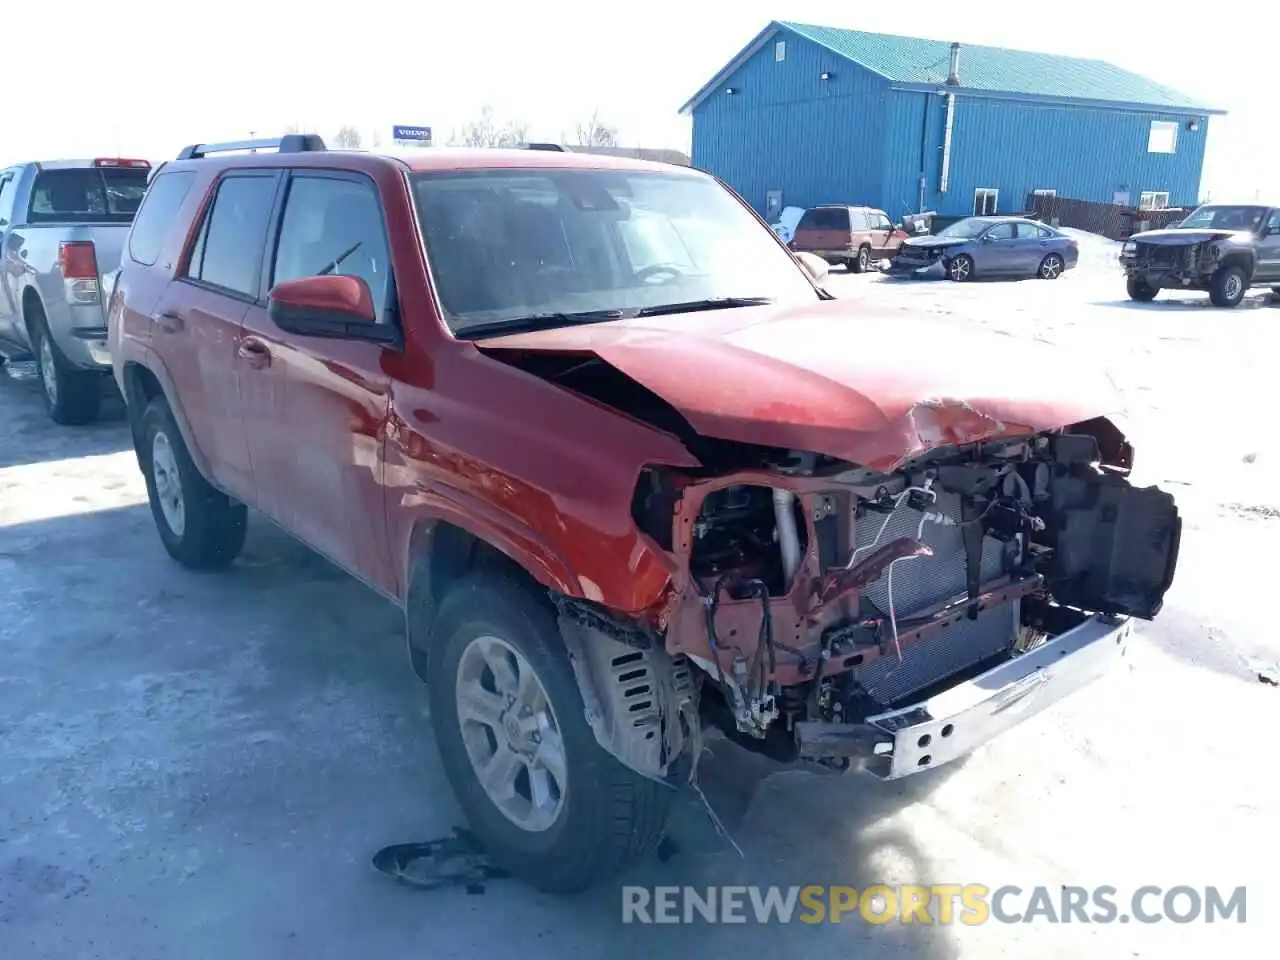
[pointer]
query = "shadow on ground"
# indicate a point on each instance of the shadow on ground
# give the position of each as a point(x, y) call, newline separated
point(29, 436)
point(203, 765)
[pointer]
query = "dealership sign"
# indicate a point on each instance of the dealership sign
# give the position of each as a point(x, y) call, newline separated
point(414, 135)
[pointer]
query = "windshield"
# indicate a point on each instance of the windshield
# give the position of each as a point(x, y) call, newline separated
point(87, 194)
point(970, 227)
point(1224, 218)
point(509, 244)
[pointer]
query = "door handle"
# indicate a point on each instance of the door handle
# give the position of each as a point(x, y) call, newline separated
point(169, 322)
point(254, 352)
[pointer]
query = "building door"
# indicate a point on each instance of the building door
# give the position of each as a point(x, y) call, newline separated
point(772, 205)
point(985, 201)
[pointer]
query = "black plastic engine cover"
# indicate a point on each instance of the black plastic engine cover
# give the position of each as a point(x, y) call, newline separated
point(1115, 547)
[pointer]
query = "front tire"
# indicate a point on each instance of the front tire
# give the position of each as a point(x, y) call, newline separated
point(71, 397)
point(546, 801)
point(1140, 290)
point(1228, 286)
point(202, 528)
point(960, 269)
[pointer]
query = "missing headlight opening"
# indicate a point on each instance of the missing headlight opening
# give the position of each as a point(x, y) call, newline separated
point(816, 598)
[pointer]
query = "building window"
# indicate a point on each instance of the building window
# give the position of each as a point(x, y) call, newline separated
point(1044, 193)
point(1153, 200)
point(1163, 138)
point(780, 51)
point(985, 200)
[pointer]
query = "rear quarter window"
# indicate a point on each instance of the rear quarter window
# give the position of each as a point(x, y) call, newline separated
point(825, 218)
point(87, 194)
point(157, 214)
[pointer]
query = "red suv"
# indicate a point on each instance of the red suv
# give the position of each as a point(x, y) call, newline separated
point(629, 472)
point(854, 236)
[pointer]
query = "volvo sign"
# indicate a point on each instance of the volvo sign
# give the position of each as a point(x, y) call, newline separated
point(419, 136)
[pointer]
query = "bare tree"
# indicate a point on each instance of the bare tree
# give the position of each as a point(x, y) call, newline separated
point(348, 137)
point(486, 131)
point(596, 133)
point(377, 140)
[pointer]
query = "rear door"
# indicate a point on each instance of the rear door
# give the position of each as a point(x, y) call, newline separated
point(315, 407)
point(1269, 250)
point(196, 323)
point(1029, 248)
point(823, 230)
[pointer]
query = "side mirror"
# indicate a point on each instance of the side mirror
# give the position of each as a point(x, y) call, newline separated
point(333, 306)
point(814, 266)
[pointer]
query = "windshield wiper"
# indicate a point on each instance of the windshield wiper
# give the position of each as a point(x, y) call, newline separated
point(710, 303)
point(537, 321)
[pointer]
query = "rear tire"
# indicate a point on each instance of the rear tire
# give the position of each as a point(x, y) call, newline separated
point(202, 528)
point(71, 397)
point(601, 816)
point(1140, 290)
point(1051, 267)
point(862, 261)
point(1228, 286)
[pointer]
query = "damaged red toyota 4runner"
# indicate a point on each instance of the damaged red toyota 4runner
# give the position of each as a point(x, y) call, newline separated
point(629, 471)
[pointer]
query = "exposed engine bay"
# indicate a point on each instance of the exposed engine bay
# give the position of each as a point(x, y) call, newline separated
point(814, 595)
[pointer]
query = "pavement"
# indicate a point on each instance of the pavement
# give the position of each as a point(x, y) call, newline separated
point(201, 766)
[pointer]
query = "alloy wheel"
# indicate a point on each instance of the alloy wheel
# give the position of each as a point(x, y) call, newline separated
point(168, 484)
point(510, 734)
point(48, 371)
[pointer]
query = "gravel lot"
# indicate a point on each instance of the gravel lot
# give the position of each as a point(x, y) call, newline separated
point(201, 766)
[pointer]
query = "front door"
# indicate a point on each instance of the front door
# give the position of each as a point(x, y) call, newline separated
point(195, 325)
point(998, 250)
point(315, 407)
point(11, 266)
point(1269, 250)
point(882, 233)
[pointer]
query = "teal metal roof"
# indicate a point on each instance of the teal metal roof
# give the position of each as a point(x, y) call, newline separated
point(911, 60)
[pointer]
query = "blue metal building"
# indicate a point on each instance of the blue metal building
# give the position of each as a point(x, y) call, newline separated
point(806, 115)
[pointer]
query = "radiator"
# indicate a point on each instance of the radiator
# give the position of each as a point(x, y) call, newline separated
point(922, 583)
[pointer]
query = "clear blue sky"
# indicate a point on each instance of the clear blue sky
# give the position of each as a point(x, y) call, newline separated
point(147, 77)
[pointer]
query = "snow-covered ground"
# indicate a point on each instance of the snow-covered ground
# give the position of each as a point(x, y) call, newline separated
point(201, 766)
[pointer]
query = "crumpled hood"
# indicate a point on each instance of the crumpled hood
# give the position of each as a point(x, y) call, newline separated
point(832, 378)
point(930, 242)
point(1176, 238)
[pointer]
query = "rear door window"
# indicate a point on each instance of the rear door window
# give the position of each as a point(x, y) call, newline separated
point(228, 251)
point(1027, 231)
point(157, 214)
point(1045, 233)
point(825, 218)
point(334, 225)
point(87, 194)
point(858, 220)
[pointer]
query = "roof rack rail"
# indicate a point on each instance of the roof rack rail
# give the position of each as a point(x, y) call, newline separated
point(544, 146)
point(289, 143)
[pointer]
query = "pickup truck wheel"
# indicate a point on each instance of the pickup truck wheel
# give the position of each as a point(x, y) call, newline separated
point(862, 261)
point(960, 269)
point(72, 397)
point(202, 528)
point(1227, 287)
point(1140, 290)
point(548, 803)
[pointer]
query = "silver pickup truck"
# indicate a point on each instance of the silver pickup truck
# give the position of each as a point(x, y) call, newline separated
point(63, 226)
